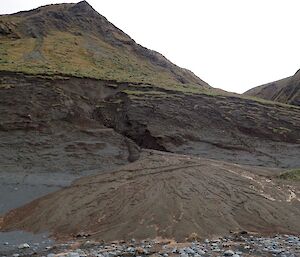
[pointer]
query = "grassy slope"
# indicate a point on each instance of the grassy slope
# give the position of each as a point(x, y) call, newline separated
point(66, 53)
point(63, 52)
point(285, 90)
point(291, 175)
point(73, 39)
point(73, 52)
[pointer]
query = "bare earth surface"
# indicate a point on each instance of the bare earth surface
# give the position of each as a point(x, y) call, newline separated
point(178, 196)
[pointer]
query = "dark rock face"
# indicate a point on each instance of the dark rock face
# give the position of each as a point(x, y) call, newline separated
point(226, 128)
point(82, 7)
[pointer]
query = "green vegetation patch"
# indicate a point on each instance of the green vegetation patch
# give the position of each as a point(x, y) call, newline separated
point(291, 175)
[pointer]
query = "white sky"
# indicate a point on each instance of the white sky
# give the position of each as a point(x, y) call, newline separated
point(233, 44)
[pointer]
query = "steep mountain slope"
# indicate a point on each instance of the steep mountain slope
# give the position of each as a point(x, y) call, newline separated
point(285, 90)
point(74, 39)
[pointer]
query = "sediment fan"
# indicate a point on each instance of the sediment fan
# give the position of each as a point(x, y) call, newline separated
point(166, 195)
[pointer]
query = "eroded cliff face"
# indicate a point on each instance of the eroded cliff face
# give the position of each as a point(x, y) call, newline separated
point(218, 127)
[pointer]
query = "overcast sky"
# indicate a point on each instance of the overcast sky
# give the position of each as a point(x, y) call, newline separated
point(232, 44)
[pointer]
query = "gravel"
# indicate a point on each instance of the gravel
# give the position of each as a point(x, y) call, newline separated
point(233, 245)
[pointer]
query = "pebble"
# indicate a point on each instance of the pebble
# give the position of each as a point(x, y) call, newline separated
point(73, 254)
point(130, 249)
point(24, 246)
point(279, 246)
point(201, 252)
point(189, 251)
point(229, 253)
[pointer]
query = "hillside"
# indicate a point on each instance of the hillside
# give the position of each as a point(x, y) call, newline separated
point(285, 90)
point(73, 39)
point(101, 135)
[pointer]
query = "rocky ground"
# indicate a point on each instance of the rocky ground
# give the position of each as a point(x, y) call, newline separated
point(235, 245)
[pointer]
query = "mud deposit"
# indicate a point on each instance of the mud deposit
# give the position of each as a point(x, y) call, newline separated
point(165, 195)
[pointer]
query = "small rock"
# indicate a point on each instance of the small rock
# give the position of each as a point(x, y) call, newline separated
point(130, 249)
point(16, 255)
point(5, 243)
point(276, 251)
point(51, 255)
point(140, 250)
point(73, 254)
point(201, 252)
point(82, 234)
point(189, 251)
point(229, 253)
point(24, 246)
